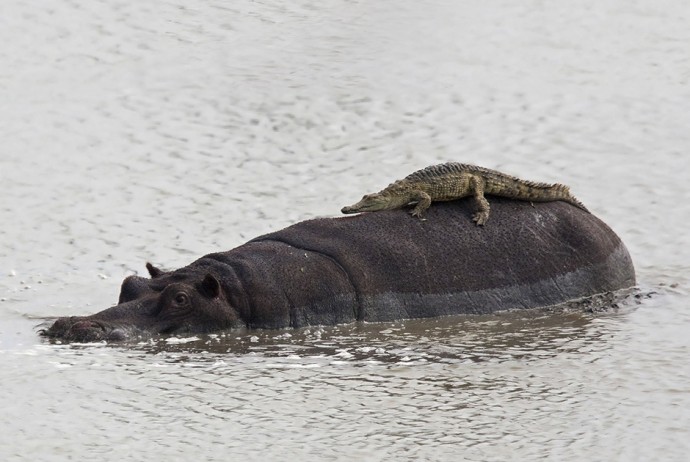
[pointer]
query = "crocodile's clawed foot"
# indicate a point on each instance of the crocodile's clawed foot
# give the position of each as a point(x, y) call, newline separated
point(419, 214)
point(480, 218)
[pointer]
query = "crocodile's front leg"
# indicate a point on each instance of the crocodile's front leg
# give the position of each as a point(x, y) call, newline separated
point(483, 208)
point(423, 203)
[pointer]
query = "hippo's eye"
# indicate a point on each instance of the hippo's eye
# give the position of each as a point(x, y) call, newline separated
point(181, 298)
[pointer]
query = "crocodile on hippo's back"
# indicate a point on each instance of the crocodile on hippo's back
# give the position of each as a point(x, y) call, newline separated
point(453, 180)
point(374, 267)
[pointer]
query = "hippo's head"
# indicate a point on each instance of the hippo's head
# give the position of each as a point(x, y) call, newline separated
point(177, 302)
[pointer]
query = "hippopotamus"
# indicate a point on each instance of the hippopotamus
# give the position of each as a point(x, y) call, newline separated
point(373, 267)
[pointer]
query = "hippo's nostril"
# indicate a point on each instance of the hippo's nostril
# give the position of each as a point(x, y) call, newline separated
point(63, 323)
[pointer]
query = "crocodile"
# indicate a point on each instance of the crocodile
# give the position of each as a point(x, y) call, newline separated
point(453, 180)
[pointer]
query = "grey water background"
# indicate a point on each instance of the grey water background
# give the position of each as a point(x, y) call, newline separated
point(164, 130)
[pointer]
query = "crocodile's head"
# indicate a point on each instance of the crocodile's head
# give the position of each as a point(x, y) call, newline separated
point(375, 202)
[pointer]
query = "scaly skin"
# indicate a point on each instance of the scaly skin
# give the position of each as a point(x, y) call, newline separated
point(452, 180)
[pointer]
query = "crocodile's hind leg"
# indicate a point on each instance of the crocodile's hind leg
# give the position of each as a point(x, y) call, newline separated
point(483, 209)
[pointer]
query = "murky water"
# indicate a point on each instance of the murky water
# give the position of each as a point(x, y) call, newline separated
point(162, 131)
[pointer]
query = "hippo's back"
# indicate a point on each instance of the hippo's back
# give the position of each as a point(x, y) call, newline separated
point(525, 256)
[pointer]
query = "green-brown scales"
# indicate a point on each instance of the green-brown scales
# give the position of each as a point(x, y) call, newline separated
point(452, 180)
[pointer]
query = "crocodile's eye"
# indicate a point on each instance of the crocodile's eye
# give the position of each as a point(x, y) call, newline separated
point(181, 298)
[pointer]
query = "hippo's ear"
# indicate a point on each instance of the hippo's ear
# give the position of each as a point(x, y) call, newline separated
point(210, 286)
point(153, 271)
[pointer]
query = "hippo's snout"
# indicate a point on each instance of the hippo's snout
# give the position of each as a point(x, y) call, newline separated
point(86, 331)
point(77, 329)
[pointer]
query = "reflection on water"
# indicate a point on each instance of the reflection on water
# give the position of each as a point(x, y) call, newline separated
point(507, 336)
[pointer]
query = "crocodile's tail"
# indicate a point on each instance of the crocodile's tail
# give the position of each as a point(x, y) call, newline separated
point(540, 192)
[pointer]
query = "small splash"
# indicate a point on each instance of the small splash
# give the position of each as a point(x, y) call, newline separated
point(179, 340)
